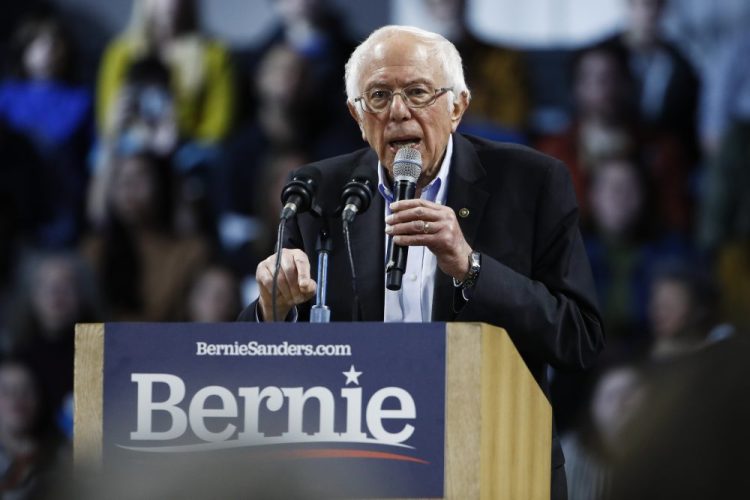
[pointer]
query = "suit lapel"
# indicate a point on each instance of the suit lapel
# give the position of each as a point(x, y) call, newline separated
point(467, 197)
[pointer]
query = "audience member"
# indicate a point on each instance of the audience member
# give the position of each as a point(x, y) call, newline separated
point(257, 200)
point(20, 169)
point(605, 125)
point(314, 31)
point(284, 119)
point(733, 269)
point(54, 292)
point(624, 242)
point(296, 73)
point(200, 72)
point(726, 92)
point(667, 86)
point(724, 230)
point(725, 208)
point(29, 447)
point(144, 118)
point(496, 75)
point(591, 447)
point(143, 266)
point(41, 102)
point(689, 437)
point(214, 296)
point(146, 123)
point(682, 310)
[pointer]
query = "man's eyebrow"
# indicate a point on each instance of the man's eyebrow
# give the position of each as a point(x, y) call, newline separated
point(380, 84)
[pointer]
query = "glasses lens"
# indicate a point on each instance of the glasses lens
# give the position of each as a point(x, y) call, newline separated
point(419, 95)
point(378, 99)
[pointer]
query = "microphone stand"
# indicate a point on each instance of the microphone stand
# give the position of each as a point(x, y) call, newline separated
point(320, 313)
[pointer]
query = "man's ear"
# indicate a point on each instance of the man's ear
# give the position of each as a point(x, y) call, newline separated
point(459, 108)
point(355, 112)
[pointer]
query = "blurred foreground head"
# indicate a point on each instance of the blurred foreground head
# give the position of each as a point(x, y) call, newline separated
point(206, 476)
point(691, 436)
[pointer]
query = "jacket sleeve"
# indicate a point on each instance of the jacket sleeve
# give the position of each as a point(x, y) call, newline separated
point(551, 314)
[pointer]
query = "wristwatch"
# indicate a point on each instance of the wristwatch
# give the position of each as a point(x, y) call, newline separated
point(475, 264)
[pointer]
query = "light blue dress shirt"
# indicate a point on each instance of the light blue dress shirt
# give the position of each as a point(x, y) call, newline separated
point(413, 303)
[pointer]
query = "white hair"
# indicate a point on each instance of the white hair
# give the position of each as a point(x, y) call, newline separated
point(445, 51)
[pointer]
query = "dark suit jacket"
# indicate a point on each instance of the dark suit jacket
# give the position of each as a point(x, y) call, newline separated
point(535, 279)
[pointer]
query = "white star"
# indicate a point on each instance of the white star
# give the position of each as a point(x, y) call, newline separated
point(352, 376)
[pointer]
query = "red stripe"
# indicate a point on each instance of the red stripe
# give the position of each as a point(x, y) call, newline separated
point(340, 453)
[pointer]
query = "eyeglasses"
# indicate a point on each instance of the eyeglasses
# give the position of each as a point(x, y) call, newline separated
point(377, 100)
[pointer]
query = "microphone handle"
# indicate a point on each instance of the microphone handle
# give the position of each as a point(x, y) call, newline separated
point(397, 254)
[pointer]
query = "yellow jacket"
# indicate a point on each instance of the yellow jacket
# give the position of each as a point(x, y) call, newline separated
point(202, 83)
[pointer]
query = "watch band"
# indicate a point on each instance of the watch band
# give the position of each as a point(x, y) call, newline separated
point(475, 264)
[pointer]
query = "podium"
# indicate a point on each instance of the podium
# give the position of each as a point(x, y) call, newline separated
point(496, 422)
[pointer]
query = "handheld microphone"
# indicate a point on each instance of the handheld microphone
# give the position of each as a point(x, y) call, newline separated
point(357, 193)
point(298, 194)
point(406, 169)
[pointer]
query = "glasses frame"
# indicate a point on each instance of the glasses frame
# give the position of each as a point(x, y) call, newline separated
point(438, 93)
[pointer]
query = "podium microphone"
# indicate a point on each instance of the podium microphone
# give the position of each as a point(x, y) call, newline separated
point(406, 169)
point(357, 193)
point(298, 194)
point(356, 197)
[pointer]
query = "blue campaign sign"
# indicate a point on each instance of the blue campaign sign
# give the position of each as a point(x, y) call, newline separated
point(355, 399)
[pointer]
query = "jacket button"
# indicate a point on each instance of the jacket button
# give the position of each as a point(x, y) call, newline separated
point(463, 213)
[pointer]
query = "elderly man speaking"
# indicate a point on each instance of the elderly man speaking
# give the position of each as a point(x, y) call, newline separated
point(492, 232)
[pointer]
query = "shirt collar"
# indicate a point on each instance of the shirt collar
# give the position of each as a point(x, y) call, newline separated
point(434, 191)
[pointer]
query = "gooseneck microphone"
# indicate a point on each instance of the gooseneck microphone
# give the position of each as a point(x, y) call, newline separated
point(298, 194)
point(355, 198)
point(357, 193)
point(406, 169)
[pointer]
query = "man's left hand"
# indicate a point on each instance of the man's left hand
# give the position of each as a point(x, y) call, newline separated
point(424, 223)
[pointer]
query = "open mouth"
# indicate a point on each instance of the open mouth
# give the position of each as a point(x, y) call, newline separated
point(411, 142)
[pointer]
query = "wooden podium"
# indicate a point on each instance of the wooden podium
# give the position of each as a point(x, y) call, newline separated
point(498, 423)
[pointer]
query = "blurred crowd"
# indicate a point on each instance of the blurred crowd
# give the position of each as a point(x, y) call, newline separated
point(151, 192)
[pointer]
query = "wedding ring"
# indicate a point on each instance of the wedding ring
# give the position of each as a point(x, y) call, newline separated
point(426, 228)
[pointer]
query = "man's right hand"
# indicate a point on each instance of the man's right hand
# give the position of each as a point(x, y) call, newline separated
point(294, 287)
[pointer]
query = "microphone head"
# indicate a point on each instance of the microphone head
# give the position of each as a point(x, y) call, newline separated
point(407, 165)
point(358, 191)
point(301, 190)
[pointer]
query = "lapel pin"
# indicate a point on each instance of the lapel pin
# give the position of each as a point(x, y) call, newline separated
point(463, 213)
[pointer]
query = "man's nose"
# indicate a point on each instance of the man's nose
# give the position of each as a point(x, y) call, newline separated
point(398, 109)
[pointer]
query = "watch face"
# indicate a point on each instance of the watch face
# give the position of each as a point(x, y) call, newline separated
point(474, 265)
point(475, 262)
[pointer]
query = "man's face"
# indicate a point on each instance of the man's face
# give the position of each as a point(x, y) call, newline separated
point(395, 63)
